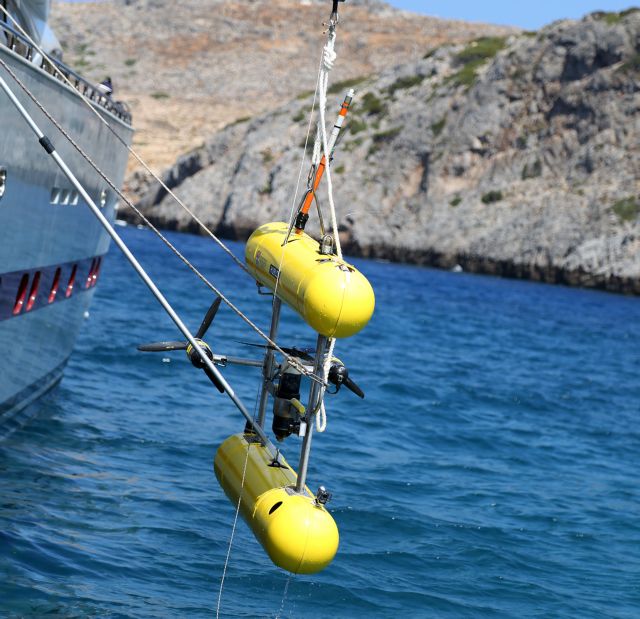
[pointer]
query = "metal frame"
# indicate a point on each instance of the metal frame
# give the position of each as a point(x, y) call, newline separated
point(315, 392)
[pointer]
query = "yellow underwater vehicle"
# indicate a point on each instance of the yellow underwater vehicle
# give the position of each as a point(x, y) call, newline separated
point(335, 300)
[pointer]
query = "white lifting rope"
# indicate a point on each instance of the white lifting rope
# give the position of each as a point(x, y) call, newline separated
point(321, 145)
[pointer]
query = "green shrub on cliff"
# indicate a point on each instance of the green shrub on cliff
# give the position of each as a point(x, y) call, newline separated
point(437, 127)
point(492, 196)
point(611, 18)
point(344, 85)
point(383, 137)
point(431, 52)
point(632, 65)
point(239, 121)
point(483, 49)
point(356, 125)
point(352, 144)
point(301, 114)
point(532, 171)
point(372, 105)
point(627, 209)
point(472, 57)
point(267, 189)
point(386, 136)
point(402, 83)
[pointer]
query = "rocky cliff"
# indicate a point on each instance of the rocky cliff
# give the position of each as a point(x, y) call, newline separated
point(188, 68)
point(518, 156)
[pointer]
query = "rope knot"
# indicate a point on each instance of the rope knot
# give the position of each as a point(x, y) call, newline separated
point(329, 57)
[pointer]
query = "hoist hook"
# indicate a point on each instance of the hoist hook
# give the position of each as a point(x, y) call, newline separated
point(333, 20)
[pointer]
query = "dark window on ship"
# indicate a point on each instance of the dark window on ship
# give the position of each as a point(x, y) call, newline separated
point(33, 294)
point(22, 295)
point(72, 278)
point(89, 280)
point(97, 271)
point(54, 286)
point(3, 181)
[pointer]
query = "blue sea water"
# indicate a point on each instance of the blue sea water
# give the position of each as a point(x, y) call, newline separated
point(491, 471)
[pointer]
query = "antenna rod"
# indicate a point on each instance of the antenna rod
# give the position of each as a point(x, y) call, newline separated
point(45, 142)
point(317, 174)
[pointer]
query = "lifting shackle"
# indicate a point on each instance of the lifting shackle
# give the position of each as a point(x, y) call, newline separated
point(334, 12)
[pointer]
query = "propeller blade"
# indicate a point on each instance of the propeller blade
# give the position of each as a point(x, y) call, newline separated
point(163, 346)
point(254, 344)
point(208, 319)
point(339, 375)
point(351, 386)
point(300, 353)
point(214, 379)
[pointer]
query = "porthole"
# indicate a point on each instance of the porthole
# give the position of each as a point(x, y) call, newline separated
point(3, 181)
point(103, 198)
point(21, 296)
point(72, 279)
point(33, 294)
point(275, 506)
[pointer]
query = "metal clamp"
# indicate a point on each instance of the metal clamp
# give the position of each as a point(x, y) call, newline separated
point(322, 496)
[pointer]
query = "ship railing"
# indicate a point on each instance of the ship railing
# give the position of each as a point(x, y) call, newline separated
point(20, 45)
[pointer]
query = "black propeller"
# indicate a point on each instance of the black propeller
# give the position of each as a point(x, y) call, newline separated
point(208, 318)
point(163, 346)
point(339, 375)
point(194, 357)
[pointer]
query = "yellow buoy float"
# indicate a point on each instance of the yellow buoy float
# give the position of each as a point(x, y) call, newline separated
point(330, 295)
point(297, 532)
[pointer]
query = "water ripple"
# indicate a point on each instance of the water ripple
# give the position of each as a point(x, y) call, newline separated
point(491, 470)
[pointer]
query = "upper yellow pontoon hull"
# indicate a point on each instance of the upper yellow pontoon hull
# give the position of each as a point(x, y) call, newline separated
point(331, 296)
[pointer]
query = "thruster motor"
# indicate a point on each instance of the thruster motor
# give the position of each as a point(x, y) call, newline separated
point(287, 409)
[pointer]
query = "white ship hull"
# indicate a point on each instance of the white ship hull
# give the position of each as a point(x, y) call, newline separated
point(51, 245)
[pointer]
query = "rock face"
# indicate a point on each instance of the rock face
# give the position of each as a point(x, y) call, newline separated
point(188, 68)
point(516, 156)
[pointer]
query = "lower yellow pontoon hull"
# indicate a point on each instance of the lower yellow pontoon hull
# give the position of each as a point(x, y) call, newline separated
point(298, 534)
